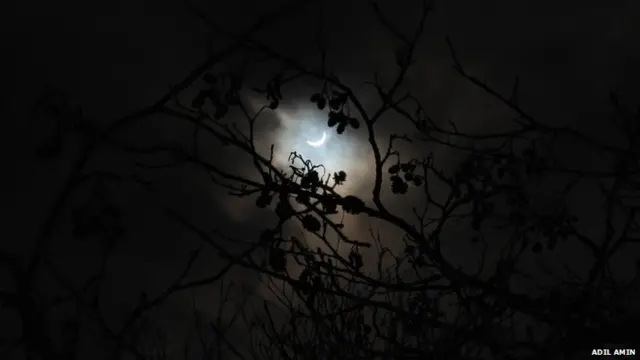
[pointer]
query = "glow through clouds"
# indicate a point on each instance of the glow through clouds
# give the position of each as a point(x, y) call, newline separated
point(318, 143)
point(299, 126)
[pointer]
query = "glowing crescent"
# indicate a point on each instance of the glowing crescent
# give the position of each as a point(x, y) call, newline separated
point(319, 142)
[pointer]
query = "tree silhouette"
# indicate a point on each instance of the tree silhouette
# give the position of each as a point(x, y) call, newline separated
point(333, 295)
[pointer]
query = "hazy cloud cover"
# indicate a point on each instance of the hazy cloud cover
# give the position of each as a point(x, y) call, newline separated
point(113, 57)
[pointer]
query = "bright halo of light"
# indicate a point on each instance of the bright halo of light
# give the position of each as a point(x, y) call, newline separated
point(318, 143)
point(298, 124)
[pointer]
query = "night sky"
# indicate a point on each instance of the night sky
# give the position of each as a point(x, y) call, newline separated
point(113, 57)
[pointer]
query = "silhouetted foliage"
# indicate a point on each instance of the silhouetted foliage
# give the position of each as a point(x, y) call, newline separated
point(366, 298)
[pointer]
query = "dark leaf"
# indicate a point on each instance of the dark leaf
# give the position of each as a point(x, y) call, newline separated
point(398, 186)
point(311, 180)
point(274, 90)
point(317, 283)
point(338, 95)
point(311, 223)
point(367, 329)
point(417, 181)
point(355, 259)
point(304, 281)
point(321, 103)
point(315, 97)
point(335, 104)
point(330, 205)
point(339, 177)
point(352, 205)
point(284, 209)
point(394, 169)
point(354, 123)
point(263, 200)
point(414, 326)
point(302, 198)
point(341, 127)
point(408, 167)
point(278, 260)
point(333, 119)
point(274, 104)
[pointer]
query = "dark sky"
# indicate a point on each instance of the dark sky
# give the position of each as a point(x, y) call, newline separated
point(112, 57)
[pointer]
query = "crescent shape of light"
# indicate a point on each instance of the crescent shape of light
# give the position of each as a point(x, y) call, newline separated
point(319, 142)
